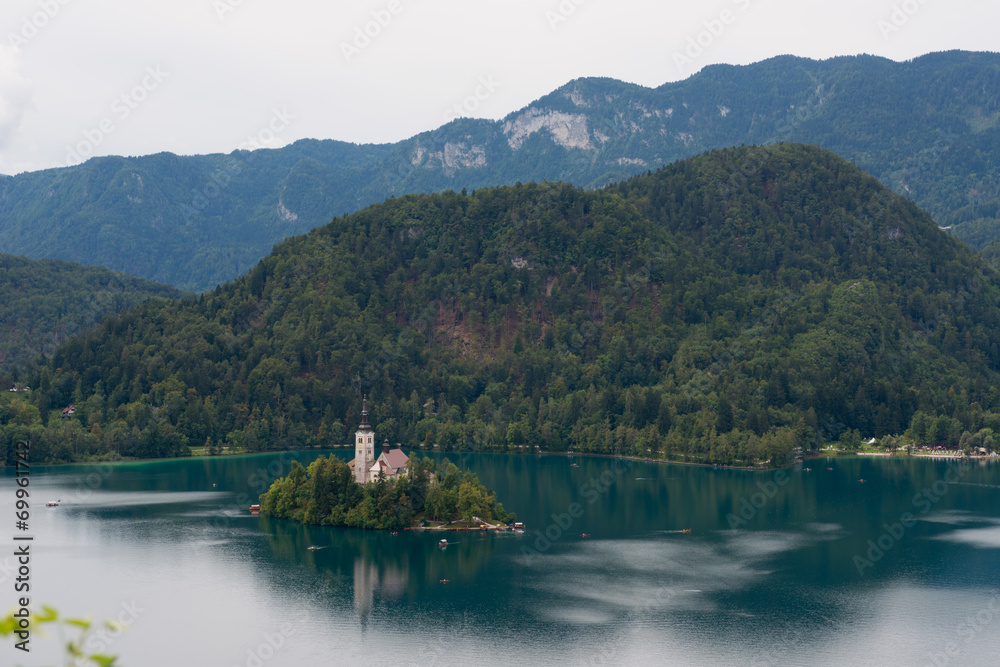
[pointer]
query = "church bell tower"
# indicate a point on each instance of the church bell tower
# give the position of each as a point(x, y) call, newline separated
point(364, 447)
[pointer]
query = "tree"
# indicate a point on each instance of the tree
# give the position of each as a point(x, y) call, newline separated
point(470, 502)
point(724, 417)
point(850, 440)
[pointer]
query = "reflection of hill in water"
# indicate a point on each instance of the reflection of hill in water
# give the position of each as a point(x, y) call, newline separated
point(384, 567)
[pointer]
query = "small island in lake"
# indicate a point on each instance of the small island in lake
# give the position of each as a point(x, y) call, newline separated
point(389, 493)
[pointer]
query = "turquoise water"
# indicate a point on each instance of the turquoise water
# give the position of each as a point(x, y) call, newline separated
point(780, 568)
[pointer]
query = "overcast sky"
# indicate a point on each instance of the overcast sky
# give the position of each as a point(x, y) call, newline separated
point(128, 77)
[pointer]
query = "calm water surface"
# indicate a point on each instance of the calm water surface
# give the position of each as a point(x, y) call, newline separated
point(793, 568)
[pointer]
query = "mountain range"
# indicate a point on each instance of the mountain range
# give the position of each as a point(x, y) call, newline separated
point(726, 308)
point(928, 128)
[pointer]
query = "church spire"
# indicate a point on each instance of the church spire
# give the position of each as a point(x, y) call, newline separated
point(365, 426)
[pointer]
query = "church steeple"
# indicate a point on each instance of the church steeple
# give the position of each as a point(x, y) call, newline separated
point(364, 426)
point(364, 447)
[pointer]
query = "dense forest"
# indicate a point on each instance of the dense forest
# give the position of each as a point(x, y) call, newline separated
point(991, 254)
point(929, 128)
point(727, 308)
point(326, 494)
point(44, 302)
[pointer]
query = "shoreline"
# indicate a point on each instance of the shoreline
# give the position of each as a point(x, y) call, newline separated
point(804, 457)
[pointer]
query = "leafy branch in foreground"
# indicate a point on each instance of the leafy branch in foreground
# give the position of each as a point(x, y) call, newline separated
point(76, 655)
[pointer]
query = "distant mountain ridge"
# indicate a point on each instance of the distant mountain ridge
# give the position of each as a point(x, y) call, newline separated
point(928, 128)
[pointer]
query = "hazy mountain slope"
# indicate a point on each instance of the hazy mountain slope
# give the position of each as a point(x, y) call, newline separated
point(189, 221)
point(43, 302)
point(725, 308)
point(929, 128)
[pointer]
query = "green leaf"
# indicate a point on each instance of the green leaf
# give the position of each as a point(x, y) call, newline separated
point(47, 615)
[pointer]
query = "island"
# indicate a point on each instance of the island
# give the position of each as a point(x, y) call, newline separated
point(392, 492)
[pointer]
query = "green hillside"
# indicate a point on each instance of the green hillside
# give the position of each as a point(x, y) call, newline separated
point(928, 128)
point(44, 302)
point(725, 308)
point(991, 254)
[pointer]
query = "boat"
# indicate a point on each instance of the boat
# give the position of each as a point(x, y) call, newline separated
point(53, 503)
point(686, 531)
point(316, 548)
point(444, 581)
point(575, 465)
point(585, 535)
point(443, 544)
point(255, 509)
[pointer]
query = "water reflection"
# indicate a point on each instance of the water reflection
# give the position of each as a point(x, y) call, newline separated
point(389, 581)
point(780, 588)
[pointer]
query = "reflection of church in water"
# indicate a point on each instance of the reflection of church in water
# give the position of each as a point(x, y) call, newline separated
point(390, 583)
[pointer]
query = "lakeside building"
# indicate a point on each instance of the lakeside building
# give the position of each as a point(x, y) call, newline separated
point(365, 467)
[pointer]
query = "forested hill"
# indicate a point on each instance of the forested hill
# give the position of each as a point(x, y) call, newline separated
point(930, 128)
point(44, 302)
point(726, 308)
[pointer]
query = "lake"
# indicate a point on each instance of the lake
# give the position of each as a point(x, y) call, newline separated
point(794, 567)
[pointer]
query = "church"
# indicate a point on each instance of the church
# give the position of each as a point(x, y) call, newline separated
point(366, 468)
